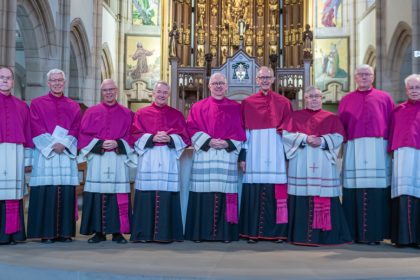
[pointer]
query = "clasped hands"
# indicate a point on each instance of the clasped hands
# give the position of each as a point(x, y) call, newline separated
point(218, 144)
point(161, 137)
point(58, 148)
point(109, 144)
point(314, 141)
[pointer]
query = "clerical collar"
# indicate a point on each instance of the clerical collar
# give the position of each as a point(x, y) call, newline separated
point(2, 93)
point(263, 94)
point(313, 111)
point(55, 96)
point(217, 100)
point(109, 106)
point(365, 91)
point(414, 102)
point(159, 107)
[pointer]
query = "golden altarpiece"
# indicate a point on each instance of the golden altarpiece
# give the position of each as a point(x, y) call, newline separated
point(242, 35)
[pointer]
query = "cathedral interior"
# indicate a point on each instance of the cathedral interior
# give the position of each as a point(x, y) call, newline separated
point(138, 42)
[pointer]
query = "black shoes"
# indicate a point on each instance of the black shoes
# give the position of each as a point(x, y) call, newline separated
point(47, 240)
point(10, 242)
point(118, 238)
point(98, 237)
point(64, 239)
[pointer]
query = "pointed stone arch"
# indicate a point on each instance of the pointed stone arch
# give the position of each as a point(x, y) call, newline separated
point(399, 59)
point(107, 68)
point(370, 56)
point(36, 26)
point(79, 59)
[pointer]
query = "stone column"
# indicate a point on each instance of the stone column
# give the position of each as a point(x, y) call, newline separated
point(123, 18)
point(8, 33)
point(91, 90)
point(416, 35)
point(63, 40)
point(174, 82)
point(381, 65)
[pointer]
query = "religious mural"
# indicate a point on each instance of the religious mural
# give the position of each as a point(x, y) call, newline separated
point(331, 63)
point(329, 13)
point(142, 60)
point(146, 12)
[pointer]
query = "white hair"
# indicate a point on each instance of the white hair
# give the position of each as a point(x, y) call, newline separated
point(364, 66)
point(55, 71)
point(411, 77)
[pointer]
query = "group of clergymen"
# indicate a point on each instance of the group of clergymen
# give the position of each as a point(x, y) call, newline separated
point(289, 159)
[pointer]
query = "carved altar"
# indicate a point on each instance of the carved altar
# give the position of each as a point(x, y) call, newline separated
point(217, 35)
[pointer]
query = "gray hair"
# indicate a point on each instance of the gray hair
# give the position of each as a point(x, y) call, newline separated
point(162, 82)
point(364, 66)
point(411, 77)
point(55, 71)
point(311, 88)
point(107, 81)
point(217, 74)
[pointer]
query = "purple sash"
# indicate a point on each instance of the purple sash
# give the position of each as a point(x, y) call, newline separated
point(232, 208)
point(280, 191)
point(122, 200)
point(322, 213)
point(12, 216)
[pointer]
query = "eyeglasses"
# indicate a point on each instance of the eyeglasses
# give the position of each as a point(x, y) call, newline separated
point(7, 78)
point(265, 77)
point(316, 96)
point(218, 83)
point(56, 81)
point(364, 74)
point(108, 89)
point(413, 88)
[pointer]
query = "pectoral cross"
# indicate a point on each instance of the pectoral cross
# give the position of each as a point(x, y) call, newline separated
point(313, 167)
point(5, 173)
point(268, 162)
point(109, 173)
point(365, 162)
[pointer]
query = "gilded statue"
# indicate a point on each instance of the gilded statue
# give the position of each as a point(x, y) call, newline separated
point(273, 12)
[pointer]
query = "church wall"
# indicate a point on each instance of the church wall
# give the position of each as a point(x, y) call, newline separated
point(396, 11)
point(109, 35)
point(366, 35)
point(54, 8)
point(84, 10)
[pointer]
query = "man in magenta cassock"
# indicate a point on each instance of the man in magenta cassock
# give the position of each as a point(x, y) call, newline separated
point(103, 144)
point(217, 134)
point(312, 140)
point(404, 141)
point(159, 136)
point(365, 114)
point(264, 212)
point(15, 153)
point(55, 122)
